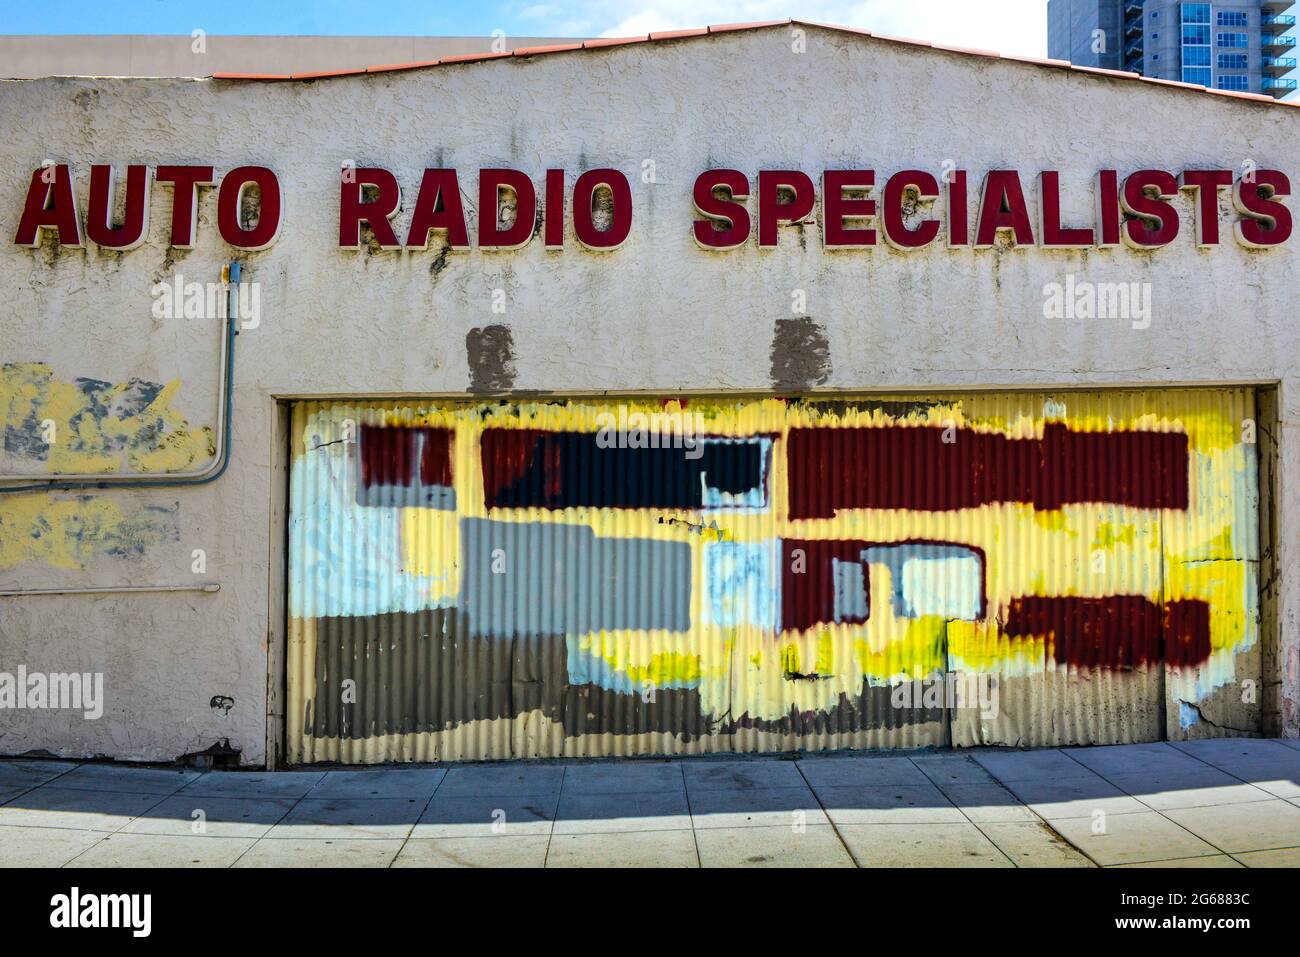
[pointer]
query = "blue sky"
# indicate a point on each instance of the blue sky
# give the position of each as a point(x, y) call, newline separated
point(1008, 26)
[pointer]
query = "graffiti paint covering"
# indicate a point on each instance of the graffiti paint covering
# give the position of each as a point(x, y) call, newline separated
point(50, 427)
point(568, 577)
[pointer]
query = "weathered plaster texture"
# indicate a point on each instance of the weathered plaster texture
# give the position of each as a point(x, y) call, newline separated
point(658, 314)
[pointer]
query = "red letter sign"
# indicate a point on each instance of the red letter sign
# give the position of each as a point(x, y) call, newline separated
point(515, 236)
point(135, 221)
point(584, 194)
point(185, 181)
point(1145, 197)
point(926, 188)
point(1003, 207)
point(438, 185)
point(958, 215)
point(230, 201)
point(1107, 190)
point(354, 210)
point(836, 208)
point(730, 211)
point(1050, 230)
point(772, 212)
point(50, 205)
point(1264, 222)
point(1206, 183)
point(553, 214)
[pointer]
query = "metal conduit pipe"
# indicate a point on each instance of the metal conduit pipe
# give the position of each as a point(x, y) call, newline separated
point(109, 590)
point(225, 408)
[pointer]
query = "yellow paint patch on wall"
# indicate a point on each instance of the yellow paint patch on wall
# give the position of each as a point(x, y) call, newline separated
point(980, 646)
point(644, 662)
point(917, 652)
point(1230, 588)
point(667, 668)
point(94, 426)
point(430, 546)
point(1109, 535)
point(70, 532)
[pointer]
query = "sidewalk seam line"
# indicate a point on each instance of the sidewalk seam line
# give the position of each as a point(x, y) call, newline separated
point(690, 815)
point(416, 823)
point(287, 812)
point(555, 813)
point(835, 827)
point(116, 830)
point(1155, 810)
point(962, 811)
point(1046, 823)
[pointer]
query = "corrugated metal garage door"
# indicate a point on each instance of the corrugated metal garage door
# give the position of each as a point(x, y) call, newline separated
point(474, 579)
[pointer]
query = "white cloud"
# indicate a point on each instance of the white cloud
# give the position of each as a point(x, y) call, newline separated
point(1007, 26)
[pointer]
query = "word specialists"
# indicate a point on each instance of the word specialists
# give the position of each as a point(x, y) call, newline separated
point(908, 210)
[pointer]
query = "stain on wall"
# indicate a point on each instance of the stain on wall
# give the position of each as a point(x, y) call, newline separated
point(801, 355)
point(800, 576)
point(491, 354)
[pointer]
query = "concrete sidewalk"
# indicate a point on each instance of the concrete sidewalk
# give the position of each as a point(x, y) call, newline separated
point(1213, 803)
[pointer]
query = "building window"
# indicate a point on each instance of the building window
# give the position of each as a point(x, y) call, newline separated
point(1196, 44)
point(1232, 61)
point(1232, 18)
point(1234, 82)
point(1234, 40)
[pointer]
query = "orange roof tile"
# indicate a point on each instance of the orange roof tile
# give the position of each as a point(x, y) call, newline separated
point(472, 57)
point(611, 42)
point(553, 48)
point(390, 67)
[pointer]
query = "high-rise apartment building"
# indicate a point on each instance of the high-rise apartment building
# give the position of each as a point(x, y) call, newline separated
point(1243, 45)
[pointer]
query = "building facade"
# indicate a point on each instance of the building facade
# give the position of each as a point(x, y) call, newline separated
point(1240, 45)
point(646, 396)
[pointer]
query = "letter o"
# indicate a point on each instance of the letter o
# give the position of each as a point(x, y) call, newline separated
point(231, 197)
point(584, 223)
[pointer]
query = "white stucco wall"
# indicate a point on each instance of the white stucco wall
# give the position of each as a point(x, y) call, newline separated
point(658, 315)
